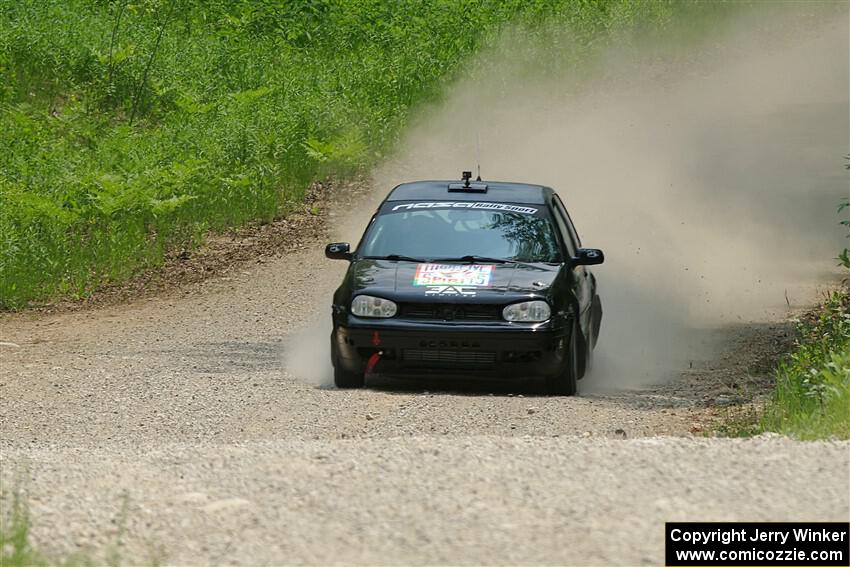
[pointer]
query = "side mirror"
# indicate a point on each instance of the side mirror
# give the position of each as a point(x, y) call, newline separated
point(588, 257)
point(338, 251)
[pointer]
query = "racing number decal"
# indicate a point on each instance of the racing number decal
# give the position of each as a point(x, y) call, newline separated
point(449, 274)
point(451, 279)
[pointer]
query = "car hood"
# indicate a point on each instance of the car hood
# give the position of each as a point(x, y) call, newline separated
point(411, 281)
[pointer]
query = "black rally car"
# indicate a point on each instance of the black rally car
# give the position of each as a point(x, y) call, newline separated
point(467, 279)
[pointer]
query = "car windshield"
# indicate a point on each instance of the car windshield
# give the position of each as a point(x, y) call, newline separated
point(455, 233)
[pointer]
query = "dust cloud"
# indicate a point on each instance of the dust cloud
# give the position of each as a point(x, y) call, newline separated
point(709, 175)
point(307, 353)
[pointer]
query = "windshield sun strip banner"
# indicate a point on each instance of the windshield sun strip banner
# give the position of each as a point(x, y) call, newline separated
point(506, 207)
point(477, 275)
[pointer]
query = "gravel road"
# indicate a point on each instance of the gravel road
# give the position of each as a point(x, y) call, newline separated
point(196, 426)
point(425, 499)
point(171, 430)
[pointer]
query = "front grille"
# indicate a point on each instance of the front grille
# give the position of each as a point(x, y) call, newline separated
point(450, 311)
point(448, 356)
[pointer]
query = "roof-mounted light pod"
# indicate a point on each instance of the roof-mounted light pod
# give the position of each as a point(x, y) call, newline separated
point(466, 186)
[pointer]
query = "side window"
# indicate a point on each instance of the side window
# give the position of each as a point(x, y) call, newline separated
point(561, 221)
point(571, 231)
point(572, 228)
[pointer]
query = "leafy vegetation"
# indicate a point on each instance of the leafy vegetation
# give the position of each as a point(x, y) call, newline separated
point(812, 396)
point(844, 256)
point(131, 127)
point(811, 399)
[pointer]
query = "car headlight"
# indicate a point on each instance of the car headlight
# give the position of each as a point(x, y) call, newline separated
point(369, 306)
point(528, 311)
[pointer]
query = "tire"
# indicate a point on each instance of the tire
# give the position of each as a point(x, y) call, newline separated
point(347, 380)
point(565, 382)
point(588, 361)
point(585, 351)
point(595, 320)
point(585, 360)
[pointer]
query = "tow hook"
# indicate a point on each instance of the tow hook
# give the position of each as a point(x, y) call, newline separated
point(372, 362)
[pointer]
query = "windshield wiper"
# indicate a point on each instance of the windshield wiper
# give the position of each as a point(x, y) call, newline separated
point(395, 258)
point(468, 259)
point(472, 259)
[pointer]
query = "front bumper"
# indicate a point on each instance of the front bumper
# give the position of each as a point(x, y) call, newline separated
point(495, 352)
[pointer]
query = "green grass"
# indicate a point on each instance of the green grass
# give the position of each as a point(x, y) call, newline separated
point(811, 398)
point(15, 548)
point(844, 257)
point(128, 128)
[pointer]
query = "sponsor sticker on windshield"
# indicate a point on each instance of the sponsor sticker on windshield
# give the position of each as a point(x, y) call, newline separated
point(452, 274)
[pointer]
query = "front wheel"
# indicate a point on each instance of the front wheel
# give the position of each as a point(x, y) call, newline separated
point(347, 380)
point(565, 382)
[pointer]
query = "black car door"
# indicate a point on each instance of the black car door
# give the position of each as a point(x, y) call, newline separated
point(582, 284)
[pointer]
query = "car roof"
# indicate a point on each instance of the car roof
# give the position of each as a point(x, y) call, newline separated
point(497, 191)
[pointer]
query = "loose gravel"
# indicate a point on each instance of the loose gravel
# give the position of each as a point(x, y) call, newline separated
point(418, 500)
point(196, 426)
point(178, 429)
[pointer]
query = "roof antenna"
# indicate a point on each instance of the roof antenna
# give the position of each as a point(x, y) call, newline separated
point(478, 153)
